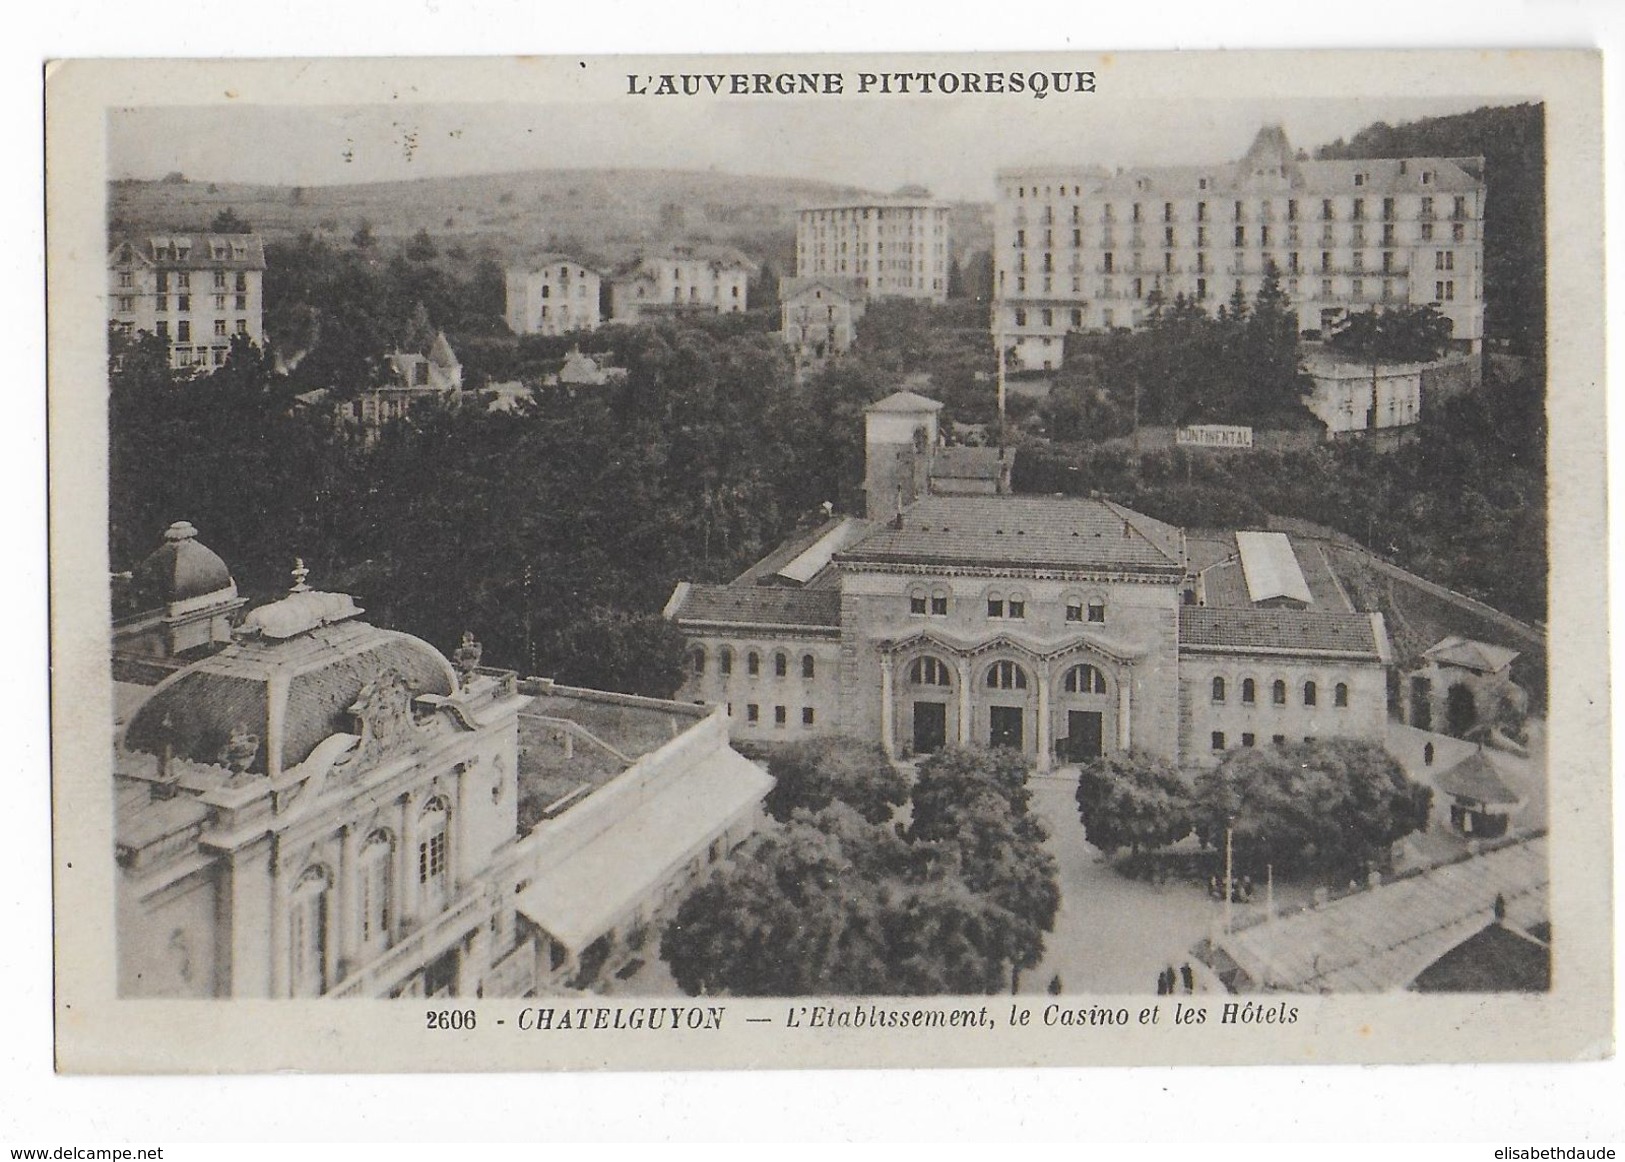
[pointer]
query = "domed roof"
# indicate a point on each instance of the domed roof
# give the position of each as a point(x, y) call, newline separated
point(181, 569)
point(290, 692)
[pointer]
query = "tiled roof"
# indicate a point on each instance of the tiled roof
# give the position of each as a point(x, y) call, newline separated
point(790, 287)
point(764, 571)
point(1024, 531)
point(1476, 777)
point(758, 605)
point(1279, 631)
point(967, 463)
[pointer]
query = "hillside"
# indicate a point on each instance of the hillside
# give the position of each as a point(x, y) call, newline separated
point(602, 215)
point(1512, 141)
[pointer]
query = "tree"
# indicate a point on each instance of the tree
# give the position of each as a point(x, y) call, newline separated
point(1332, 806)
point(422, 248)
point(830, 904)
point(1404, 334)
point(1133, 799)
point(812, 774)
point(955, 776)
point(364, 238)
point(611, 649)
point(228, 222)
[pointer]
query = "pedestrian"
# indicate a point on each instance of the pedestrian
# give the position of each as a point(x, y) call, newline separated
point(1188, 977)
point(1055, 985)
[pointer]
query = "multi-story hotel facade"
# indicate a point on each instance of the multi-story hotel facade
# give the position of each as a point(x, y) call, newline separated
point(554, 295)
point(1080, 248)
point(890, 247)
point(194, 291)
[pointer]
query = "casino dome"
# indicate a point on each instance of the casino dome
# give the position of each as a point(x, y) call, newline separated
point(180, 570)
point(290, 683)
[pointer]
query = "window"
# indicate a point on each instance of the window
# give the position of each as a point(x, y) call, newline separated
point(433, 855)
point(1084, 679)
point(809, 666)
point(163, 329)
point(1218, 689)
point(939, 605)
point(126, 278)
point(1006, 676)
point(1248, 739)
point(126, 302)
point(916, 604)
point(753, 713)
point(376, 902)
point(696, 662)
point(219, 280)
point(1218, 740)
point(307, 934)
point(1278, 739)
point(1241, 235)
point(1278, 693)
point(242, 302)
point(806, 716)
point(163, 281)
point(220, 328)
point(183, 331)
point(161, 303)
point(725, 661)
point(780, 716)
point(1340, 694)
point(995, 607)
point(1309, 694)
point(781, 665)
point(1249, 691)
point(1326, 214)
point(1017, 608)
point(1074, 609)
point(929, 672)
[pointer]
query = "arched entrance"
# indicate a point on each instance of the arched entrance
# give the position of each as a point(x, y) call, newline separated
point(1460, 710)
point(1007, 688)
point(1084, 712)
point(930, 717)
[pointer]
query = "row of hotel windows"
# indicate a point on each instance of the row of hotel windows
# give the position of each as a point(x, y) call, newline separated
point(753, 663)
point(1248, 739)
point(1263, 239)
point(1011, 606)
point(183, 303)
point(781, 715)
point(1390, 262)
point(1444, 291)
point(183, 329)
point(183, 280)
point(1265, 210)
point(1278, 692)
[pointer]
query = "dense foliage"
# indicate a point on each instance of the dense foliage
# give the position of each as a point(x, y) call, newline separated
point(1332, 806)
point(1183, 365)
point(1463, 504)
point(811, 774)
point(1402, 334)
point(829, 903)
point(1133, 799)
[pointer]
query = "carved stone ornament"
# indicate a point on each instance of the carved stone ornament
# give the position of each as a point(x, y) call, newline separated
point(383, 712)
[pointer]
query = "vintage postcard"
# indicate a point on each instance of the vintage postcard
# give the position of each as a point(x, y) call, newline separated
point(828, 561)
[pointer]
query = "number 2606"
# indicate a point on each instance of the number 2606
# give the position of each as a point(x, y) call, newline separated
point(450, 1019)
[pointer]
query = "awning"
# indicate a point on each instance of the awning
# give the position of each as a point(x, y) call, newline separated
point(597, 886)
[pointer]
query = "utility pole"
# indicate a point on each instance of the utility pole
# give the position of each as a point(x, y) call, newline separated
point(1229, 869)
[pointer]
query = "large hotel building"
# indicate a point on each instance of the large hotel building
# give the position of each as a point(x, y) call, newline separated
point(890, 247)
point(194, 291)
point(1080, 248)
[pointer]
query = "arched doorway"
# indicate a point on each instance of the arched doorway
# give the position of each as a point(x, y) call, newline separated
point(928, 703)
point(1083, 713)
point(1007, 686)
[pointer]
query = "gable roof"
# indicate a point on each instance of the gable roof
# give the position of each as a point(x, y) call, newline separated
point(1283, 631)
point(1024, 531)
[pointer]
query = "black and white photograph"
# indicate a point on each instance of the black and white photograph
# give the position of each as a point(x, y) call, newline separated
point(850, 555)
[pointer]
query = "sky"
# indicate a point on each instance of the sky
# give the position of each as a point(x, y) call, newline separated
point(951, 147)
